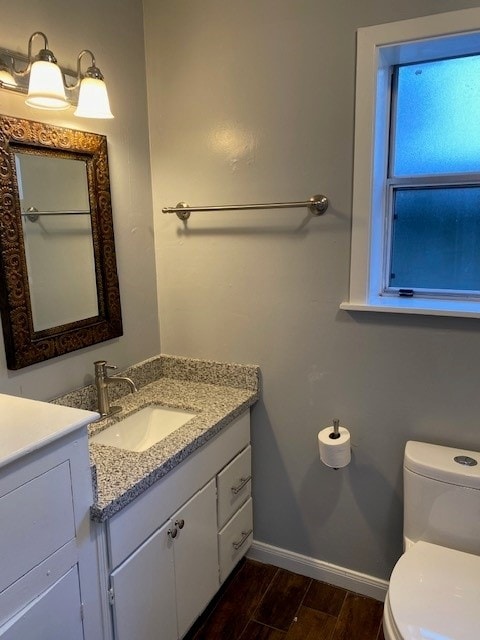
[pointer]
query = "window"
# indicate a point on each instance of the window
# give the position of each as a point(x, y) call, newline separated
point(416, 204)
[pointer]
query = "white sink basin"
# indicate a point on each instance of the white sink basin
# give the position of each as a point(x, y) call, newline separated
point(143, 429)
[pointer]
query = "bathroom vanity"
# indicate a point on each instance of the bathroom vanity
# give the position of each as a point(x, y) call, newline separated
point(169, 549)
point(172, 521)
point(113, 543)
point(49, 574)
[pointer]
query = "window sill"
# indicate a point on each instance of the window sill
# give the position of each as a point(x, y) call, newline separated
point(418, 307)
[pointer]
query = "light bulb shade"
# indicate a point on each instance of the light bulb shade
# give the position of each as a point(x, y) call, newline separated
point(93, 99)
point(45, 89)
point(6, 77)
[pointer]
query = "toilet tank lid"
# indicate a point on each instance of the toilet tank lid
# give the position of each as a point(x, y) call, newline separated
point(438, 462)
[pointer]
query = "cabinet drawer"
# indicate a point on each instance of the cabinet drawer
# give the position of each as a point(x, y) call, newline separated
point(234, 485)
point(235, 538)
point(54, 615)
point(37, 519)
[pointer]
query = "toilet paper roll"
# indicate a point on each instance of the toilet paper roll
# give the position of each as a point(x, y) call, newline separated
point(334, 452)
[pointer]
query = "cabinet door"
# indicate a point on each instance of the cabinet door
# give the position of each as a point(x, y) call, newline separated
point(144, 592)
point(196, 555)
point(54, 615)
point(44, 522)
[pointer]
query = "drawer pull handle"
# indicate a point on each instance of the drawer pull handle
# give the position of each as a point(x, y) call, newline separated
point(180, 523)
point(241, 542)
point(243, 482)
point(172, 533)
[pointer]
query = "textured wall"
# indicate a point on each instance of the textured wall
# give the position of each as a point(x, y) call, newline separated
point(253, 100)
point(114, 32)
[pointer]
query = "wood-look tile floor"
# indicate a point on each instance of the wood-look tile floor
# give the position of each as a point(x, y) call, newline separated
point(261, 602)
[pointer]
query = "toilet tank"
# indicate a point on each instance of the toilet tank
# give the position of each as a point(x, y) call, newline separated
point(442, 496)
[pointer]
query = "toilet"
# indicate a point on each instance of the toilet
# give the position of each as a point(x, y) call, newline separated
point(434, 590)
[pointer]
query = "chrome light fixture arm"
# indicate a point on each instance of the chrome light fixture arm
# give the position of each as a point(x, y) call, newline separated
point(92, 72)
point(44, 54)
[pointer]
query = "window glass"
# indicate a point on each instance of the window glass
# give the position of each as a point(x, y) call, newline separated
point(436, 123)
point(436, 238)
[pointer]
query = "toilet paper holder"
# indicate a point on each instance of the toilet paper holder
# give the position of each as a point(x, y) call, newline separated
point(336, 429)
point(334, 445)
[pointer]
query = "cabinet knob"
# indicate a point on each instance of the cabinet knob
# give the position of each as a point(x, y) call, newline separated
point(172, 533)
point(180, 523)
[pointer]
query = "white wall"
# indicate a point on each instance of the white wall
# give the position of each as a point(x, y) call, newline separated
point(114, 32)
point(250, 101)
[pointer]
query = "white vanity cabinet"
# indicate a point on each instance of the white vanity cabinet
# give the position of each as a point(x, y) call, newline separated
point(174, 571)
point(168, 550)
point(48, 569)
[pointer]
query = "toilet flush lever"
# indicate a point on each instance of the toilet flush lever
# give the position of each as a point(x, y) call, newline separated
point(467, 461)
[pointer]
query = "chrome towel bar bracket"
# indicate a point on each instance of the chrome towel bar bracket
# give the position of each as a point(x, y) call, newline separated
point(317, 204)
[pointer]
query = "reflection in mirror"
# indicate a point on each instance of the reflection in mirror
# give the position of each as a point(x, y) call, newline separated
point(57, 233)
point(58, 280)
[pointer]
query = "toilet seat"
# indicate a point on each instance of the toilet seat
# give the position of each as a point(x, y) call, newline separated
point(434, 593)
point(390, 631)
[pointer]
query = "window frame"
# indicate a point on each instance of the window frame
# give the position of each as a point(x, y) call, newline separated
point(379, 48)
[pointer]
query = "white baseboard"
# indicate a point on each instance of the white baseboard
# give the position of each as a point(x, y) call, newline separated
point(319, 570)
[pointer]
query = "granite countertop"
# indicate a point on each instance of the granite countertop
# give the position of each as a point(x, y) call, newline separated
point(216, 392)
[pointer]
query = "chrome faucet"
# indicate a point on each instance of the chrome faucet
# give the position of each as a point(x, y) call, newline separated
point(102, 380)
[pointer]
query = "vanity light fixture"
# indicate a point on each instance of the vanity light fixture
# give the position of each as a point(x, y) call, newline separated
point(49, 86)
point(45, 86)
point(92, 95)
point(5, 75)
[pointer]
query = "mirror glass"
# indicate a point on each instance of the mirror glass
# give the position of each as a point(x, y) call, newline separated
point(57, 233)
point(58, 281)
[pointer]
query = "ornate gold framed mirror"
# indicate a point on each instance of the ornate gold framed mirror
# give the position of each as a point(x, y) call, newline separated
point(58, 275)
